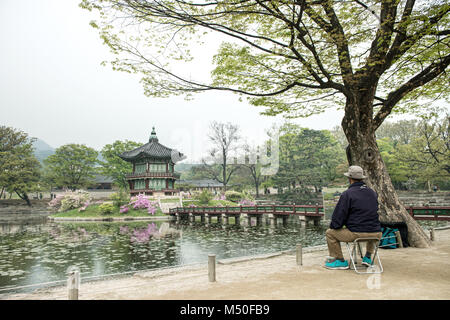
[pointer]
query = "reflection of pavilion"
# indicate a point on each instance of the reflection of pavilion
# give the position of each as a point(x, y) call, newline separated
point(153, 168)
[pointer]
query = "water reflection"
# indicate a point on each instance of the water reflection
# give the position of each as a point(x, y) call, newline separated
point(42, 252)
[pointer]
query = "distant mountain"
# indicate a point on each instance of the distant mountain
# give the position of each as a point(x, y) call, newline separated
point(42, 149)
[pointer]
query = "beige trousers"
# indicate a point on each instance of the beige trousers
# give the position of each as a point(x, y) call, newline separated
point(336, 236)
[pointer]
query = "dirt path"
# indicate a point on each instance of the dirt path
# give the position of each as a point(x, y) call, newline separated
point(409, 273)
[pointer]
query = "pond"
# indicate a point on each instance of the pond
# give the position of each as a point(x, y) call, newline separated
point(38, 251)
point(42, 251)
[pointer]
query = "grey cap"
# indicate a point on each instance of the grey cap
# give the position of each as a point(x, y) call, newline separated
point(355, 172)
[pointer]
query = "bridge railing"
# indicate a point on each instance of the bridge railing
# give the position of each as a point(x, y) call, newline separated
point(309, 210)
point(418, 213)
point(429, 213)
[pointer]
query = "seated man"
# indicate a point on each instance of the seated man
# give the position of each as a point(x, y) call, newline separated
point(355, 216)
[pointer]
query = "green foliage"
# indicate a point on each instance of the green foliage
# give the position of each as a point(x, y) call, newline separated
point(298, 195)
point(416, 153)
point(247, 195)
point(106, 208)
point(19, 168)
point(204, 197)
point(295, 58)
point(114, 166)
point(234, 196)
point(72, 166)
point(120, 198)
point(400, 132)
point(427, 157)
point(307, 158)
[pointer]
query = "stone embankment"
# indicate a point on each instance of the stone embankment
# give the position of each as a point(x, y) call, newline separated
point(419, 199)
point(15, 206)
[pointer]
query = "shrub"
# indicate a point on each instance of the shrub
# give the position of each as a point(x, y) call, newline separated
point(299, 195)
point(247, 195)
point(204, 197)
point(143, 202)
point(71, 200)
point(106, 208)
point(233, 196)
point(119, 198)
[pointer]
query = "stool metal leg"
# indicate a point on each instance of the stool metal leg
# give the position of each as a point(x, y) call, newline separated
point(351, 253)
point(353, 256)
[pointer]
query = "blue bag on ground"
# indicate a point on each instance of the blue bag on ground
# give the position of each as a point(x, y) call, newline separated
point(389, 239)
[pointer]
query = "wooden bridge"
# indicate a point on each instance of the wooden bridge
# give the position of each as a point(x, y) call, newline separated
point(306, 213)
point(430, 213)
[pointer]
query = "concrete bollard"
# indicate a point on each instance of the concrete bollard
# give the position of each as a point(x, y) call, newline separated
point(432, 235)
point(399, 239)
point(73, 284)
point(299, 255)
point(212, 267)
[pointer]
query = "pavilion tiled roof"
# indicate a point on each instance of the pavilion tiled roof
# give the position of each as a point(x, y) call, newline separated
point(152, 149)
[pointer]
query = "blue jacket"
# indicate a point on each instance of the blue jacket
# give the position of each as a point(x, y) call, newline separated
point(357, 209)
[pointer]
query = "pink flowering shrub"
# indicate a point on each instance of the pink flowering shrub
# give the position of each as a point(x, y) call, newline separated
point(140, 202)
point(71, 200)
point(124, 209)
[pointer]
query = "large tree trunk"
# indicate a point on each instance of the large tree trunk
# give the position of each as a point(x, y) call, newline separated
point(363, 151)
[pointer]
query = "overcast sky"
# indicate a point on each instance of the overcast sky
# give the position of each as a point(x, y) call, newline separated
point(53, 87)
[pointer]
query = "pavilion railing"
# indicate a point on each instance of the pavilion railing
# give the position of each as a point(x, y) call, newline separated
point(150, 174)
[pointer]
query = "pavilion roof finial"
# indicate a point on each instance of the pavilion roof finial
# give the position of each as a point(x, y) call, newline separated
point(153, 135)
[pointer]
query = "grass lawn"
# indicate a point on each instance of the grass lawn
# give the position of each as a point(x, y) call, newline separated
point(94, 212)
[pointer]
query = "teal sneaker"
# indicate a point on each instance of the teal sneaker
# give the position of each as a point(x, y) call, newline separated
point(366, 262)
point(337, 265)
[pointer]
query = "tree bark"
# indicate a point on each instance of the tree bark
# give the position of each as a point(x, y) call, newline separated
point(363, 151)
point(24, 196)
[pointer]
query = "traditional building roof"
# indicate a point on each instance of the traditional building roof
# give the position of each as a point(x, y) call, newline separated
point(152, 149)
point(202, 183)
point(99, 178)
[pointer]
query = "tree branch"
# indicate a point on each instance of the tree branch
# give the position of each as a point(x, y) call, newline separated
point(404, 42)
point(425, 76)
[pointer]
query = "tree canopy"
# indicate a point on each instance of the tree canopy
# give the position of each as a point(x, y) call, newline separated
point(288, 56)
point(114, 166)
point(307, 157)
point(19, 168)
point(73, 165)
